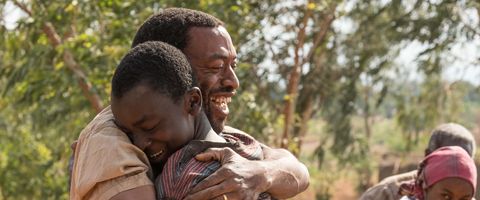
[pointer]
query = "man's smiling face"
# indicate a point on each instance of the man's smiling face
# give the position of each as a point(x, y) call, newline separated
point(212, 56)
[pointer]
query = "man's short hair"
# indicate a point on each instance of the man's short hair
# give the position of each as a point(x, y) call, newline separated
point(159, 65)
point(451, 134)
point(172, 26)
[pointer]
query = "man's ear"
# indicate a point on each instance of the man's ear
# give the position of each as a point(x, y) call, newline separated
point(193, 101)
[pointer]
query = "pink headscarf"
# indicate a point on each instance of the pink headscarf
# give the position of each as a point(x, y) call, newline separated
point(445, 162)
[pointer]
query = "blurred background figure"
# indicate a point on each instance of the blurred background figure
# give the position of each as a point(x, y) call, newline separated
point(449, 134)
point(447, 173)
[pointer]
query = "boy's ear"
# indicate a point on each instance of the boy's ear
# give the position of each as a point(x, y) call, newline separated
point(193, 102)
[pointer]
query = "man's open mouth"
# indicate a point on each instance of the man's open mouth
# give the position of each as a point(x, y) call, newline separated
point(221, 103)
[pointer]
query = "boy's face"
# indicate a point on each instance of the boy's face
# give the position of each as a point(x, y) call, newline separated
point(155, 123)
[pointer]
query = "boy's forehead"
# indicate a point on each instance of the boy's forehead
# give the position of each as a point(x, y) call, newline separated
point(137, 102)
point(144, 93)
point(136, 93)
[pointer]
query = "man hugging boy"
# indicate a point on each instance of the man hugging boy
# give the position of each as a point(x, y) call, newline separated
point(155, 101)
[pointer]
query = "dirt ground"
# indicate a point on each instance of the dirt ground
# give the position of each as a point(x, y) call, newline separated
point(344, 190)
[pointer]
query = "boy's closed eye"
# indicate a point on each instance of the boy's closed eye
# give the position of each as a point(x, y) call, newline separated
point(147, 128)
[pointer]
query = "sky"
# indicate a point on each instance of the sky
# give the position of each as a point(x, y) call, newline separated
point(11, 15)
point(463, 60)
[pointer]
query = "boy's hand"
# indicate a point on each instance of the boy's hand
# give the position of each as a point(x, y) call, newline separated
point(238, 178)
point(70, 162)
point(74, 146)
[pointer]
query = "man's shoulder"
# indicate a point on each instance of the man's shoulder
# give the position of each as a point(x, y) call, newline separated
point(229, 129)
point(102, 135)
point(246, 145)
point(238, 135)
point(102, 125)
point(242, 135)
point(106, 162)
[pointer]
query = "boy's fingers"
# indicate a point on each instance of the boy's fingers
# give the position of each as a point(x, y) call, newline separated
point(74, 145)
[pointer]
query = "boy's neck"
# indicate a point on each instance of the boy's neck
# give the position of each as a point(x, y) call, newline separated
point(204, 131)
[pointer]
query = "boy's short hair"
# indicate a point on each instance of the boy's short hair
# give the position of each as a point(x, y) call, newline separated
point(159, 65)
point(172, 25)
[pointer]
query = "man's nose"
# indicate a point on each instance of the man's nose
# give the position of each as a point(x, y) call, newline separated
point(230, 79)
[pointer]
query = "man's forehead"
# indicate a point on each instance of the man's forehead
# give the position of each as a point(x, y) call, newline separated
point(209, 42)
point(200, 31)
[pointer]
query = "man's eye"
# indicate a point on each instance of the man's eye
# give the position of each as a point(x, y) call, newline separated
point(215, 68)
point(234, 65)
point(219, 66)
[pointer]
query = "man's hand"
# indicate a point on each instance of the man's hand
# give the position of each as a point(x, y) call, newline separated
point(238, 178)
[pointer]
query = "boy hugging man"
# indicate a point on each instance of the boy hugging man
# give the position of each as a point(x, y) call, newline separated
point(154, 100)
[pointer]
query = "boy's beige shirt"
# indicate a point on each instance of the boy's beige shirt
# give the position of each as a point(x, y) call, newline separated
point(106, 162)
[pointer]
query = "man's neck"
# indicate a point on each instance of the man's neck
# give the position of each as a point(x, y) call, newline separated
point(204, 131)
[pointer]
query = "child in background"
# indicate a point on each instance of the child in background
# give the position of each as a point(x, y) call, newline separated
point(447, 173)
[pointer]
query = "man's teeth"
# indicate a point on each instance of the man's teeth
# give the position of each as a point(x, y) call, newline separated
point(221, 102)
point(221, 99)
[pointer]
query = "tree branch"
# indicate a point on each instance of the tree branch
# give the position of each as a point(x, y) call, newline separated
point(320, 36)
point(55, 40)
point(293, 79)
point(23, 7)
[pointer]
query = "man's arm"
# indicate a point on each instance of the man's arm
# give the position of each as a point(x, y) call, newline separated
point(284, 171)
point(239, 178)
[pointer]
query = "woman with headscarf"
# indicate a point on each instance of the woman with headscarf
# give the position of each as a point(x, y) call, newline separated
point(448, 173)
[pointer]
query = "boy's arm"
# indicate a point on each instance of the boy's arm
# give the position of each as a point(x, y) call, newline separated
point(146, 192)
point(246, 179)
